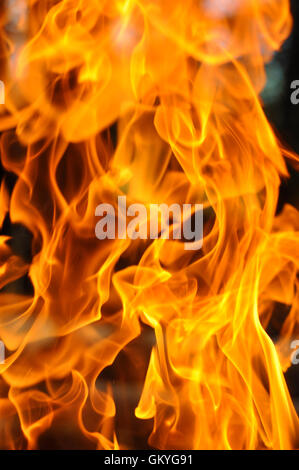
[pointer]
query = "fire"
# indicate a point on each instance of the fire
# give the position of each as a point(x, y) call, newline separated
point(123, 344)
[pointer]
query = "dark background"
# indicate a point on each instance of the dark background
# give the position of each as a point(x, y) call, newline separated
point(284, 117)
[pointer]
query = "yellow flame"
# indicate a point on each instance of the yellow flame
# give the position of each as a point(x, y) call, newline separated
point(121, 344)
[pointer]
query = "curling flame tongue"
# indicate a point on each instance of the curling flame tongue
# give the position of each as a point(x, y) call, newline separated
point(120, 343)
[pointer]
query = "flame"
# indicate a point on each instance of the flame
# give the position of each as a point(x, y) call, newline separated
point(122, 344)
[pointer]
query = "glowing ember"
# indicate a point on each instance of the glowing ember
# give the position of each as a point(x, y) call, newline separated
point(122, 343)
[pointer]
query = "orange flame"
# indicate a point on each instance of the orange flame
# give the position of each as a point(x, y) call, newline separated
point(119, 344)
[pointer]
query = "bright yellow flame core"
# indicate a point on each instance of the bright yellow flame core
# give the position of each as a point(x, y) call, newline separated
point(180, 83)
